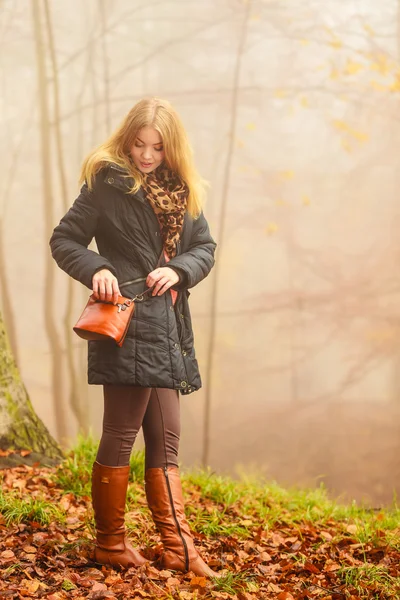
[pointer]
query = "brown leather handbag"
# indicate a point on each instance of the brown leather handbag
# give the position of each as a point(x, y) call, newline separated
point(102, 320)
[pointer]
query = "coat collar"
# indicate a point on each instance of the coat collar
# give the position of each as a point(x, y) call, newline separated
point(119, 178)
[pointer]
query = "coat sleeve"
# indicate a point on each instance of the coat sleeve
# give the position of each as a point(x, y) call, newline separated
point(196, 262)
point(71, 238)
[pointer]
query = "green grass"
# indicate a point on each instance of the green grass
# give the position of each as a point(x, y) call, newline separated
point(74, 474)
point(17, 510)
point(215, 522)
point(374, 576)
point(233, 583)
point(218, 489)
point(219, 506)
point(267, 502)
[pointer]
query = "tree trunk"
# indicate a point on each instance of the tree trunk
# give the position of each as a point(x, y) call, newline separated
point(20, 427)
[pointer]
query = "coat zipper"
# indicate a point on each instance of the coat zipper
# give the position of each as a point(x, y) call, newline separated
point(185, 548)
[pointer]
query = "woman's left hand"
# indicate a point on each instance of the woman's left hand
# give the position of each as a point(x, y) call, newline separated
point(162, 278)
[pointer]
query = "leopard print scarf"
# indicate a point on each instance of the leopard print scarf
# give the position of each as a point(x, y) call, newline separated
point(168, 195)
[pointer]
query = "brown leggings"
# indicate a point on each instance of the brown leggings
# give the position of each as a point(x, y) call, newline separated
point(126, 410)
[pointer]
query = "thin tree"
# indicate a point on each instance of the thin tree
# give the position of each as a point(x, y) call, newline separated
point(80, 412)
point(220, 237)
point(49, 305)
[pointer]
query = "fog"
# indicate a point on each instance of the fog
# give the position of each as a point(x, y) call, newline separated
point(292, 108)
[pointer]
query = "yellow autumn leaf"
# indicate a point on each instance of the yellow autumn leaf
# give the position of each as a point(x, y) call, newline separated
point(341, 125)
point(304, 42)
point(271, 228)
point(361, 136)
point(306, 201)
point(250, 126)
point(280, 93)
point(304, 102)
point(334, 73)
point(240, 143)
point(336, 43)
point(287, 174)
point(346, 146)
point(369, 29)
point(381, 64)
point(353, 67)
point(378, 86)
point(395, 87)
point(255, 17)
point(281, 202)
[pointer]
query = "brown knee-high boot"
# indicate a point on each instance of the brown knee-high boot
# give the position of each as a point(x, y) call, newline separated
point(109, 486)
point(165, 500)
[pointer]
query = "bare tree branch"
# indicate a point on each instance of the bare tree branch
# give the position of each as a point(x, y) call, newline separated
point(220, 236)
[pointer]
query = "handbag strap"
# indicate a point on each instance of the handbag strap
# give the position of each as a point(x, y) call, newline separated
point(137, 297)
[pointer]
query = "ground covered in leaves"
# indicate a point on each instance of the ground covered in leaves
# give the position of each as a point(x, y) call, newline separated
point(267, 541)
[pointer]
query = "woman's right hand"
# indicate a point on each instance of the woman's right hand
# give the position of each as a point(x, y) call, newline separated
point(105, 286)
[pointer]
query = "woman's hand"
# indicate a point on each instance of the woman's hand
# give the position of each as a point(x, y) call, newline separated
point(105, 286)
point(162, 279)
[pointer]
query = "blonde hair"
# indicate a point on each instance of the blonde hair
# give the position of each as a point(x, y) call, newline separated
point(159, 114)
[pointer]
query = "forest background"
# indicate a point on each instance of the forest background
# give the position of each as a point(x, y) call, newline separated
point(292, 108)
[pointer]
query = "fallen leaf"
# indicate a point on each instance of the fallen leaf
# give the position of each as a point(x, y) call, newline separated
point(265, 557)
point(30, 586)
point(93, 574)
point(311, 568)
point(97, 587)
point(245, 596)
point(165, 574)
point(352, 529)
point(112, 579)
point(198, 582)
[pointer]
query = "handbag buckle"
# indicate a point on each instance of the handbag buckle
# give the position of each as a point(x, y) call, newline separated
point(123, 306)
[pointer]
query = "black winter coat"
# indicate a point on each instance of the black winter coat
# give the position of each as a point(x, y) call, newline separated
point(158, 349)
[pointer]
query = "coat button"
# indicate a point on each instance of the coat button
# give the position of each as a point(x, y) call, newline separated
point(171, 307)
point(184, 352)
point(183, 384)
point(176, 345)
point(182, 316)
point(110, 180)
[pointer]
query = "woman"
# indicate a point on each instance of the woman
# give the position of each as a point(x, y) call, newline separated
point(141, 201)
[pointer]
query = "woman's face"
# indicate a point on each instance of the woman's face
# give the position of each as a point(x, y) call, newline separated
point(147, 151)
